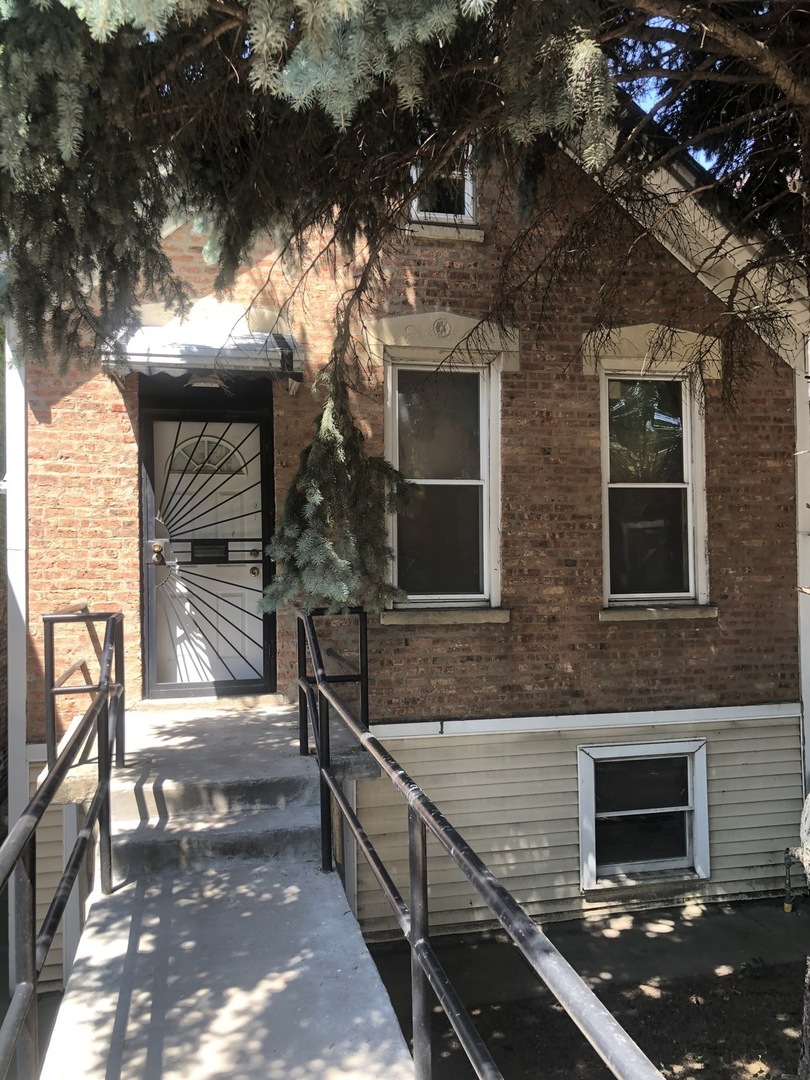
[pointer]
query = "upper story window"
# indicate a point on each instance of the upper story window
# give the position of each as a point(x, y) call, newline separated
point(441, 442)
point(449, 198)
point(653, 499)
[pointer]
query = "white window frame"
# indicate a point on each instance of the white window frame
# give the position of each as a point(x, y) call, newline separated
point(489, 421)
point(468, 216)
point(695, 484)
point(697, 862)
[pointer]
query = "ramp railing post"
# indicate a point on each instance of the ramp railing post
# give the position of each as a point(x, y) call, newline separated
point(303, 711)
point(25, 885)
point(420, 987)
point(104, 769)
point(50, 702)
point(120, 744)
point(325, 763)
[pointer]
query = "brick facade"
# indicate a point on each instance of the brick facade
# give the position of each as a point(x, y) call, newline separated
point(83, 519)
point(554, 656)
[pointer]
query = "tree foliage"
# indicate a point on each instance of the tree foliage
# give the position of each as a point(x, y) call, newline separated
point(270, 116)
point(732, 81)
point(282, 117)
point(331, 546)
point(277, 116)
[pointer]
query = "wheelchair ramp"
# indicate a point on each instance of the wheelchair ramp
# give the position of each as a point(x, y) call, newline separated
point(241, 968)
point(224, 951)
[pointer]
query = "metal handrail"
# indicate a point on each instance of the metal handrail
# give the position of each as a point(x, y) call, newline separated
point(621, 1055)
point(357, 674)
point(105, 717)
point(77, 612)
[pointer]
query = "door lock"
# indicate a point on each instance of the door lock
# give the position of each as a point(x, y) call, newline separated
point(157, 555)
point(254, 553)
point(254, 571)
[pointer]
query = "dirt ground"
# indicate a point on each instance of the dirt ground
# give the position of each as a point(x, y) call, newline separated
point(732, 1027)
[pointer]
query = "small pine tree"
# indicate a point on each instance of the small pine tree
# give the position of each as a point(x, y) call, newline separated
point(331, 544)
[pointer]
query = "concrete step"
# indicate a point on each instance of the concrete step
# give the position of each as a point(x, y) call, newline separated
point(224, 706)
point(156, 799)
point(189, 840)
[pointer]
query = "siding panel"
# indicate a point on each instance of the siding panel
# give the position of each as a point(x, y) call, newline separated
point(514, 798)
point(49, 869)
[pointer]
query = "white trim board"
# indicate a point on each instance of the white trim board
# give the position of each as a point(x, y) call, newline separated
point(17, 597)
point(517, 725)
point(802, 414)
point(711, 251)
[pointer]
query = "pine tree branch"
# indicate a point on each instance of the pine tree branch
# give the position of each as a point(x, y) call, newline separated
point(674, 75)
point(764, 57)
point(197, 46)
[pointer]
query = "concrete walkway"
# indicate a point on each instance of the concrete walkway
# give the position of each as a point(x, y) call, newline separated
point(242, 969)
point(216, 958)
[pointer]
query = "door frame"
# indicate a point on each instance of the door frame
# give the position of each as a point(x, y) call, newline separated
point(160, 401)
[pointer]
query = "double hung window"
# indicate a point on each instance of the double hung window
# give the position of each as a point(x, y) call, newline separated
point(440, 428)
point(449, 197)
point(643, 811)
point(653, 490)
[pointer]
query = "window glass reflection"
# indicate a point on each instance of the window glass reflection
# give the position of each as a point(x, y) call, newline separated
point(438, 425)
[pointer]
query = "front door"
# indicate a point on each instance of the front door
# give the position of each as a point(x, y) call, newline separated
point(206, 527)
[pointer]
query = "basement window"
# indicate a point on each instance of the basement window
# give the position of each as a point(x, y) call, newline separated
point(643, 812)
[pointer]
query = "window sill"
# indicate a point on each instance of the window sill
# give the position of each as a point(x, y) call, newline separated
point(445, 616)
point(650, 614)
point(427, 230)
point(644, 879)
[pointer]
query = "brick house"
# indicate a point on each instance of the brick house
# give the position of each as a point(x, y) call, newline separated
point(600, 668)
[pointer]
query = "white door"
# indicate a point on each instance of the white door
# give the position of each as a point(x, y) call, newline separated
point(205, 550)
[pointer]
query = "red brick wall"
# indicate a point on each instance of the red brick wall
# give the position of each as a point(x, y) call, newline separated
point(555, 656)
point(83, 538)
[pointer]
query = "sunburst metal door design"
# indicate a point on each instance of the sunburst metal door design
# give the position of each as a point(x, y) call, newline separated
point(205, 552)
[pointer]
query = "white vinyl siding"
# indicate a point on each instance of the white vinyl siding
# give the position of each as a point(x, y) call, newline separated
point(50, 864)
point(514, 797)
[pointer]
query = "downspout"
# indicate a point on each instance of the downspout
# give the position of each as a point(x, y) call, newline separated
point(802, 383)
point(17, 579)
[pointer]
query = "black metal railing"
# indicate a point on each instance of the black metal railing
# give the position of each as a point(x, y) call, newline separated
point(104, 719)
point(317, 697)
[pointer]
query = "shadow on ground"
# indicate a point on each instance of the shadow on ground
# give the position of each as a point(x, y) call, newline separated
point(707, 992)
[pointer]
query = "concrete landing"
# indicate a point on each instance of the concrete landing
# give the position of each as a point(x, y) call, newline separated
point(224, 951)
